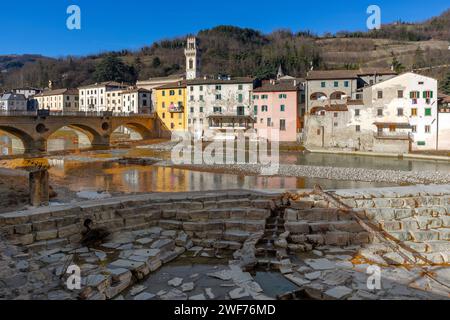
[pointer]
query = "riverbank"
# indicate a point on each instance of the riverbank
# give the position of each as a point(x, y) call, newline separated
point(418, 156)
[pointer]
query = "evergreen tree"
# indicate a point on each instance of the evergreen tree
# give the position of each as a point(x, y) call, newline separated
point(112, 68)
point(397, 65)
point(445, 84)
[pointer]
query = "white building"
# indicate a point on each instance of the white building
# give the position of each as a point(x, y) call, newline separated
point(58, 100)
point(408, 99)
point(13, 102)
point(136, 101)
point(100, 97)
point(28, 92)
point(214, 105)
point(397, 115)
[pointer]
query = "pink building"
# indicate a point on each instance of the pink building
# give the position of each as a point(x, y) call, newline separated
point(279, 105)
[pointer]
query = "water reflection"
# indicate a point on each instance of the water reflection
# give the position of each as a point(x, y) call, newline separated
point(116, 178)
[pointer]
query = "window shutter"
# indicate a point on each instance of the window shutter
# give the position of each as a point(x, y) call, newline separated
point(431, 94)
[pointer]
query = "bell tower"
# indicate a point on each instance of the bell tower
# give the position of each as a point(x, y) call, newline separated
point(192, 59)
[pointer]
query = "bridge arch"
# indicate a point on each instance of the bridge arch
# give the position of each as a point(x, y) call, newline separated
point(96, 137)
point(29, 143)
point(144, 132)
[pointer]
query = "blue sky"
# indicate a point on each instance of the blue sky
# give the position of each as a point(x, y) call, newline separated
point(40, 26)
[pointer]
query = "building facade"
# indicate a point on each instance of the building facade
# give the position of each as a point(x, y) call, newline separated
point(101, 97)
point(279, 105)
point(28, 92)
point(443, 124)
point(61, 100)
point(171, 108)
point(136, 101)
point(397, 115)
point(215, 105)
point(13, 102)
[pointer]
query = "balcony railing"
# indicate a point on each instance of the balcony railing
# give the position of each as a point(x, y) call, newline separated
point(176, 109)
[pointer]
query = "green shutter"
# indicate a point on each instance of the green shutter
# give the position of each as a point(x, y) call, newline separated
point(431, 94)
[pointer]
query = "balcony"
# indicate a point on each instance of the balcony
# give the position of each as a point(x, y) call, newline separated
point(393, 135)
point(176, 109)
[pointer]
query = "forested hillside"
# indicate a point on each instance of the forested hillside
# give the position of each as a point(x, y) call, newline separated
point(242, 52)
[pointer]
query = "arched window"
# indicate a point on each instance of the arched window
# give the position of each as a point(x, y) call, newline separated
point(337, 95)
point(318, 95)
point(191, 64)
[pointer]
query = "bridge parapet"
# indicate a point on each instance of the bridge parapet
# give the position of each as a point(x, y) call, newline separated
point(35, 128)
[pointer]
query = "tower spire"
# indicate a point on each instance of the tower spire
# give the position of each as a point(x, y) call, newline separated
point(192, 59)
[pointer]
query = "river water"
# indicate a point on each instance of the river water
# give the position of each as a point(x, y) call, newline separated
point(97, 171)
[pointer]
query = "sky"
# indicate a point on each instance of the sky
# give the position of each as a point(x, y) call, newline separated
point(39, 27)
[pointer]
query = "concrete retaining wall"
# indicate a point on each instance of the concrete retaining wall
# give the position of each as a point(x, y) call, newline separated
point(222, 219)
point(419, 216)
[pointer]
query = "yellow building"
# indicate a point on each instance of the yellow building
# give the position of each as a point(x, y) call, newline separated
point(171, 108)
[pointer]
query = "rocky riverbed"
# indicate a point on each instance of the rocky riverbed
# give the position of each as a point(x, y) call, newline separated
point(159, 264)
point(331, 173)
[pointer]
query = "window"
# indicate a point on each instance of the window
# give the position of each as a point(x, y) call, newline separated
point(358, 128)
point(240, 87)
point(192, 98)
point(357, 112)
point(335, 124)
point(264, 109)
point(428, 112)
point(282, 108)
point(201, 88)
point(336, 114)
point(414, 94)
point(400, 94)
point(380, 94)
point(414, 129)
point(163, 115)
point(172, 126)
point(255, 110)
point(392, 128)
point(217, 109)
point(163, 105)
point(319, 132)
point(427, 129)
point(380, 112)
point(264, 96)
point(201, 98)
point(163, 93)
point(414, 112)
point(282, 96)
point(255, 97)
point(282, 125)
point(269, 122)
point(218, 87)
point(180, 92)
point(400, 112)
point(336, 84)
point(192, 110)
point(172, 92)
point(240, 98)
point(346, 84)
point(323, 84)
point(218, 97)
point(201, 109)
point(428, 94)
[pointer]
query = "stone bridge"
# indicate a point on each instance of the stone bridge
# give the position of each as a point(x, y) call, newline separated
point(34, 129)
